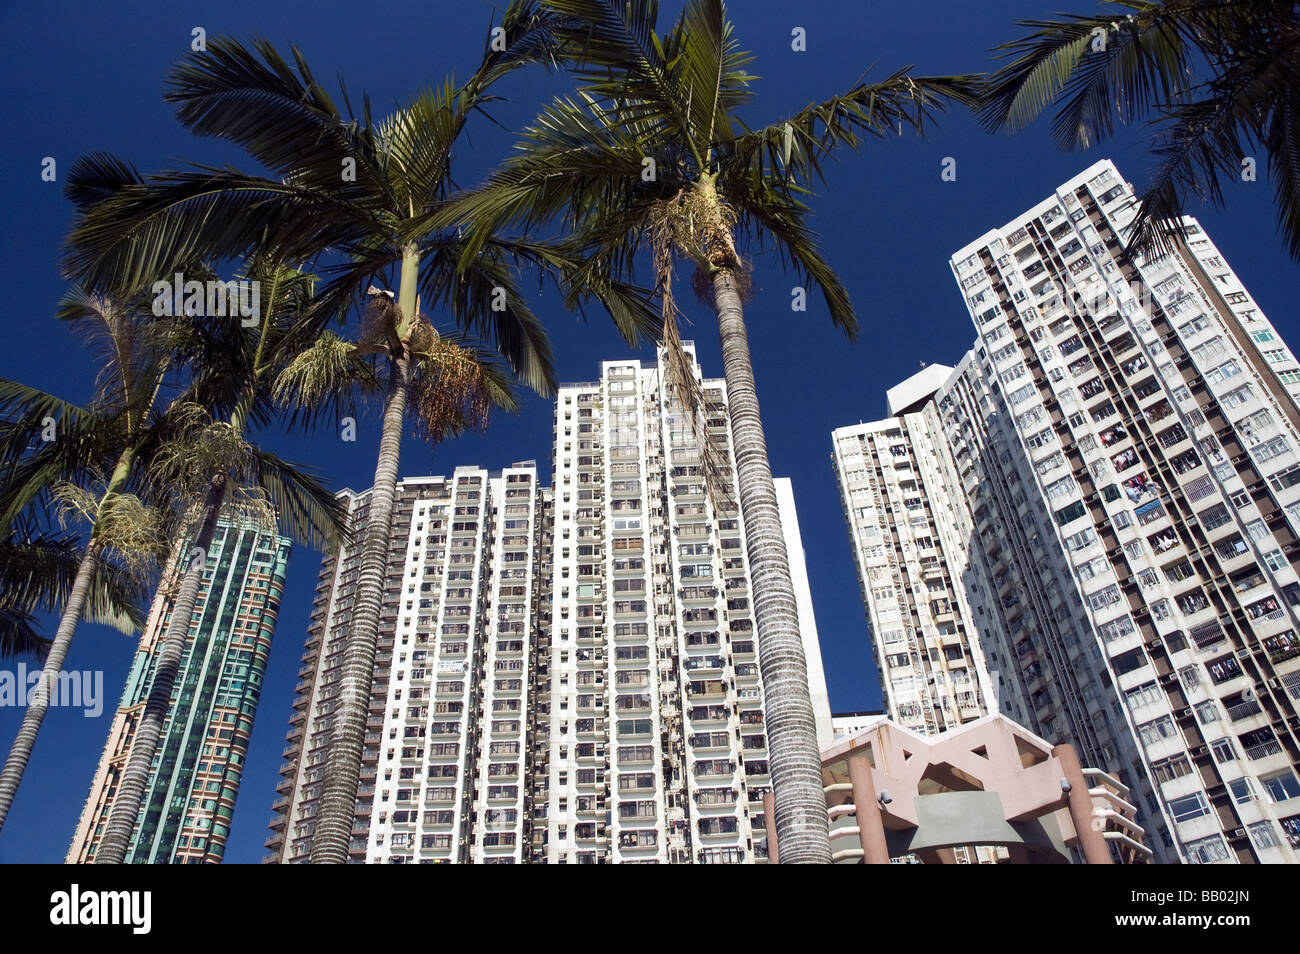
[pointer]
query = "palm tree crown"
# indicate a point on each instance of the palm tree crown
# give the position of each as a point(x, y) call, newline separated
point(1219, 80)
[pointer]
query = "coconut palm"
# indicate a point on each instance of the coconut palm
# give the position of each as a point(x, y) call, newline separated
point(111, 432)
point(139, 417)
point(213, 461)
point(365, 195)
point(1218, 80)
point(651, 155)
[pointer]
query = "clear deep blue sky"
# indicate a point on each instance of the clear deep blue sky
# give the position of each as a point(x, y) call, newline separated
point(81, 78)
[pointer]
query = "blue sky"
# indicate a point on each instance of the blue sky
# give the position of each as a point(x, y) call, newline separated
point(90, 79)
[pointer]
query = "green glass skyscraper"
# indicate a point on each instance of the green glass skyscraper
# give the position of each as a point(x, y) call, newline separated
point(185, 817)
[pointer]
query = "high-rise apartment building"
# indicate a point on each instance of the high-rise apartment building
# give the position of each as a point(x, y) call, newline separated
point(1155, 404)
point(911, 545)
point(1042, 654)
point(979, 601)
point(465, 597)
point(565, 675)
point(657, 747)
point(190, 798)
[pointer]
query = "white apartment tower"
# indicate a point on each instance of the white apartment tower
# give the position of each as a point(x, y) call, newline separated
point(464, 597)
point(564, 676)
point(981, 600)
point(1156, 406)
point(656, 749)
point(897, 482)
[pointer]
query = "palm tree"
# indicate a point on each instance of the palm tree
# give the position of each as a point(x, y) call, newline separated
point(114, 433)
point(112, 430)
point(211, 464)
point(1219, 80)
point(366, 193)
point(651, 153)
point(138, 418)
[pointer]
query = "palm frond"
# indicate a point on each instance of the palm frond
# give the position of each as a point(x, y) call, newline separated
point(307, 511)
point(98, 176)
point(37, 574)
point(708, 66)
point(416, 144)
point(1108, 68)
point(132, 352)
point(485, 302)
point(142, 234)
point(280, 114)
point(320, 381)
point(575, 156)
point(530, 33)
point(789, 153)
point(766, 212)
point(1283, 143)
point(613, 47)
point(18, 635)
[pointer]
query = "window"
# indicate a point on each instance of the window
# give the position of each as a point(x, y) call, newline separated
point(1103, 598)
point(1281, 786)
point(1116, 628)
point(1176, 766)
point(1022, 394)
point(1228, 369)
point(1189, 807)
point(1070, 512)
point(1223, 750)
point(1205, 851)
point(1263, 834)
point(1157, 730)
point(1060, 488)
point(1209, 350)
point(1050, 463)
point(1143, 695)
point(1214, 518)
point(1274, 447)
point(1241, 790)
point(1077, 541)
point(1207, 712)
point(1287, 477)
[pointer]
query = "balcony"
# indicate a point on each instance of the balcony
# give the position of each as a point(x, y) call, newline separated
point(1243, 710)
point(1264, 749)
point(1282, 646)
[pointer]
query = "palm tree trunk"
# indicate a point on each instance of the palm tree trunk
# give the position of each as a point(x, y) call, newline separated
point(139, 765)
point(332, 836)
point(16, 763)
point(801, 821)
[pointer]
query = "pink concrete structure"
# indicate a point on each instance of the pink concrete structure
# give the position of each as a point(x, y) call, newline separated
point(990, 787)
